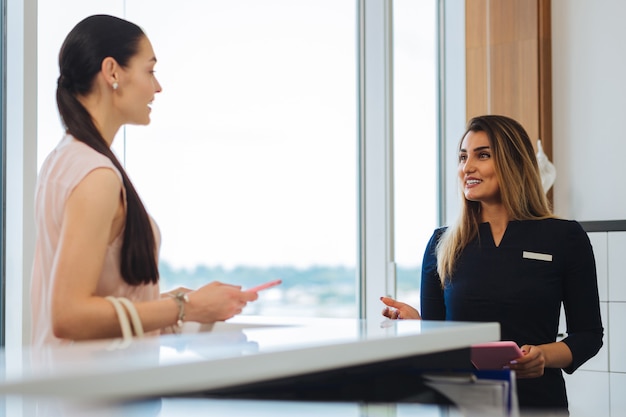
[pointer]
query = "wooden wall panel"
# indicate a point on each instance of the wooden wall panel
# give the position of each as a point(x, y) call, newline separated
point(476, 58)
point(545, 77)
point(508, 67)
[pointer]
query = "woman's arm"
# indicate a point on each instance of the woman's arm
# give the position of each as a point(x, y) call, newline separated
point(431, 293)
point(88, 219)
point(580, 299)
point(93, 215)
point(537, 358)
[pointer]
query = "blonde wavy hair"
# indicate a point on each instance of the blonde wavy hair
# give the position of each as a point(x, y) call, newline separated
point(518, 176)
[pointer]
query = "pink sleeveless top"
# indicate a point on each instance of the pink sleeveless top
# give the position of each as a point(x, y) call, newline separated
point(61, 172)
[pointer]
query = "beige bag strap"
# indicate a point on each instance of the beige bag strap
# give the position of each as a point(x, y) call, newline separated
point(127, 332)
point(134, 316)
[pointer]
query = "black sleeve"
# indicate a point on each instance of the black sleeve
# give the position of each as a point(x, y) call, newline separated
point(580, 299)
point(431, 294)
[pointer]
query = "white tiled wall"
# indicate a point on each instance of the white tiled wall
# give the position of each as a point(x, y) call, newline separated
point(618, 393)
point(588, 394)
point(617, 338)
point(617, 266)
point(598, 388)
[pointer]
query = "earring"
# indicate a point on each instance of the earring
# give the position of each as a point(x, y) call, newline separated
point(115, 85)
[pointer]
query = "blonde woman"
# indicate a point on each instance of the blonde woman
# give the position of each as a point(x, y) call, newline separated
point(508, 259)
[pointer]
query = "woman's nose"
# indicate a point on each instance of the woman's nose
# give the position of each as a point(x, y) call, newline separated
point(157, 86)
point(468, 166)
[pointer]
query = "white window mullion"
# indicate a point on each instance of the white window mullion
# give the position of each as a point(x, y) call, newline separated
point(452, 118)
point(377, 270)
point(20, 159)
point(21, 168)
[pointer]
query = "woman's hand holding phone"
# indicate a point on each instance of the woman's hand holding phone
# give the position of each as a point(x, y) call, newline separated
point(266, 285)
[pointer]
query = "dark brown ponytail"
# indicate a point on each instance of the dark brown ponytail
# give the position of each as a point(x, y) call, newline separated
point(80, 59)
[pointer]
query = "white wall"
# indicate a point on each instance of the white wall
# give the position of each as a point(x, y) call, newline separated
point(589, 108)
point(597, 388)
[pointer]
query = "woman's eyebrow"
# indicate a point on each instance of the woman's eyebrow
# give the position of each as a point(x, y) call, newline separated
point(478, 149)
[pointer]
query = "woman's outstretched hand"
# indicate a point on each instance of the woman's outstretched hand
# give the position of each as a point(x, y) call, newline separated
point(217, 302)
point(396, 310)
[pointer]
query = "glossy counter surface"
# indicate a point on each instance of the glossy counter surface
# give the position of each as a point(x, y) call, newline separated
point(196, 407)
point(241, 351)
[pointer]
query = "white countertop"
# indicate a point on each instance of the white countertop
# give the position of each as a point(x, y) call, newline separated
point(202, 407)
point(240, 351)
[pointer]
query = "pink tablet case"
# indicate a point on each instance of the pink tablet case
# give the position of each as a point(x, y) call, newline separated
point(494, 355)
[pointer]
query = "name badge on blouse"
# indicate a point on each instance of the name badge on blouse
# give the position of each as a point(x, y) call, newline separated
point(537, 256)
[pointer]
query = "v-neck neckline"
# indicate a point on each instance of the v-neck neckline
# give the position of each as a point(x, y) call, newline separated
point(489, 233)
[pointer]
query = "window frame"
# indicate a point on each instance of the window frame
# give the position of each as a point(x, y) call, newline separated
point(20, 169)
point(376, 267)
point(2, 168)
point(376, 232)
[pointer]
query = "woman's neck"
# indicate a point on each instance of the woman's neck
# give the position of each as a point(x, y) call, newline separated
point(98, 105)
point(494, 214)
point(498, 219)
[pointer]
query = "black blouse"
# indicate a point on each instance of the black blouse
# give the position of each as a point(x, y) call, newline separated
point(521, 284)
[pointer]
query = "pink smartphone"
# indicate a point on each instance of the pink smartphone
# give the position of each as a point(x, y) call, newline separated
point(494, 355)
point(266, 285)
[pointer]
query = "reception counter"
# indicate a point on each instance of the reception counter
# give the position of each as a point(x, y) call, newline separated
point(200, 407)
point(250, 358)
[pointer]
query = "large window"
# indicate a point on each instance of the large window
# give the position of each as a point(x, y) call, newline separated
point(251, 163)
point(415, 139)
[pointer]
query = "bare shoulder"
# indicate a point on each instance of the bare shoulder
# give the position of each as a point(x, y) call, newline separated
point(99, 191)
point(100, 180)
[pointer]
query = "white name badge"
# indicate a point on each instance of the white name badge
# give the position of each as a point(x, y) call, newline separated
point(537, 256)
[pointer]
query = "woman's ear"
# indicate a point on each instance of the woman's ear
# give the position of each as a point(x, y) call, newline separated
point(110, 71)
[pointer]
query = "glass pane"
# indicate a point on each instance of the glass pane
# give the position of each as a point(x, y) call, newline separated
point(415, 139)
point(249, 164)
